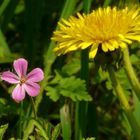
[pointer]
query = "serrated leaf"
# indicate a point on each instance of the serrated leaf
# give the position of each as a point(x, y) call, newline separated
point(72, 67)
point(52, 93)
point(123, 79)
point(3, 130)
point(70, 87)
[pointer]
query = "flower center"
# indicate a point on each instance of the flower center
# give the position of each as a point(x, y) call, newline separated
point(22, 80)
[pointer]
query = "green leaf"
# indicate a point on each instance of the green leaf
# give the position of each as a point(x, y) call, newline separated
point(48, 127)
point(134, 58)
point(32, 137)
point(20, 7)
point(89, 138)
point(123, 79)
point(4, 48)
point(136, 111)
point(72, 67)
point(56, 132)
point(2, 130)
point(52, 93)
point(41, 129)
point(70, 87)
point(3, 6)
point(6, 108)
point(65, 122)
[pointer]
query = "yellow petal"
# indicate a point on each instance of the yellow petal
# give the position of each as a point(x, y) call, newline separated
point(71, 48)
point(65, 22)
point(133, 37)
point(110, 46)
point(104, 47)
point(114, 43)
point(84, 45)
point(136, 13)
point(93, 51)
point(123, 38)
point(123, 45)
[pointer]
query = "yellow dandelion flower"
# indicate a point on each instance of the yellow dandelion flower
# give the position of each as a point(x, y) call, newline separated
point(108, 28)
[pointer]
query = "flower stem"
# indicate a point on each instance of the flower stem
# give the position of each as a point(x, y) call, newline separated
point(30, 127)
point(33, 107)
point(127, 108)
point(118, 89)
point(82, 107)
point(20, 123)
point(130, 73)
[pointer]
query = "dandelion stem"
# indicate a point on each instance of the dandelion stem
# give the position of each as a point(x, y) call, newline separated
point(82, 107)
point(130, 73)
point(127, 108)
point(118, 89)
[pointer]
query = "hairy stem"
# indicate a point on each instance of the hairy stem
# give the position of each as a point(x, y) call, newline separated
point(33, 107)
point(124, 101)
point(130, 73)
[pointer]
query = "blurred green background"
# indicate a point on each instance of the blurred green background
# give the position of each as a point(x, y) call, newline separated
point(26, 28)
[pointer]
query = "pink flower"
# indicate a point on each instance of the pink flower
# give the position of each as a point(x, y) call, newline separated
point(25, 82)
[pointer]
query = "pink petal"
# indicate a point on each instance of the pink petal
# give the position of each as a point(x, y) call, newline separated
point(32, 88)
point(10, 77)
point(20, 66)
point(35, 75)
point(18, 93)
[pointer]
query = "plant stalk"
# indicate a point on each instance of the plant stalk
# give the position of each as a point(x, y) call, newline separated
point(124, 101)
point(82, 107)
point(130, 73)
point(33, 107)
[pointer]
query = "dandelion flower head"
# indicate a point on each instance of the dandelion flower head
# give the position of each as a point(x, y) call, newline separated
point(108, 28)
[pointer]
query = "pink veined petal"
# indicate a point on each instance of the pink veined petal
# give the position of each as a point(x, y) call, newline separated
point(35, 75)
point(32, 88)
point(20, 66)
point(18, 93)
point(10, 77)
